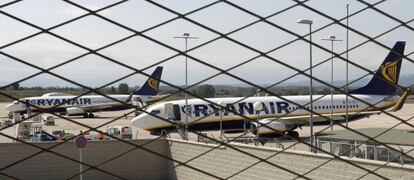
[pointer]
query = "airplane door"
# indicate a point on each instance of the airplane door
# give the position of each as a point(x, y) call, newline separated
point(172, 111)
point(177, 112)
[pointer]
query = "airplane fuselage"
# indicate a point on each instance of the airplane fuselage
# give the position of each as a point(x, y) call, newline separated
point(63, 102)
point(204, 115)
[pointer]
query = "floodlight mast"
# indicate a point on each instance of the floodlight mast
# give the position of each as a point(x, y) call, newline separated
point(186, 36)
point(332, 39)
point(311, 139)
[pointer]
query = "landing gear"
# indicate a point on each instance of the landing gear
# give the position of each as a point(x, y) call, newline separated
point(88, 115)
point(182, 132)
point(293, 134)
point(261, 141)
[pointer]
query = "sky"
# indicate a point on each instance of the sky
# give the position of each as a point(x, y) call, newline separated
point(142, 51)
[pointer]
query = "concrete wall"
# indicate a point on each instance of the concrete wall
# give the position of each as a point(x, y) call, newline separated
point(222, 162)
point(136, 164)
point(225, 162)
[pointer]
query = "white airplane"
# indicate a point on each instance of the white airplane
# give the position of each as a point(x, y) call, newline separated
point(282, 115)
point(86, 105)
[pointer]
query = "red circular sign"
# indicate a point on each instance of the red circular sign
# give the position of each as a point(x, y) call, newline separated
point(81, 142)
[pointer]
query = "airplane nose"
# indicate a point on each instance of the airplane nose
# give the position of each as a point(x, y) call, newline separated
point(137, 121)
point(141, 121)
point(134, 121)
point(8, 107)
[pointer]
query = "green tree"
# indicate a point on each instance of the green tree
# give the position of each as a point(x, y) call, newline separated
point(113, 90)
point(15, 86)
point(206, 91)
point(123, 88)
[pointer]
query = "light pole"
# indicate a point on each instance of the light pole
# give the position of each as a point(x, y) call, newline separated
point(186, 36)
point(222, 104)
point(332, 39)
point(347, 50)
point(310, 22)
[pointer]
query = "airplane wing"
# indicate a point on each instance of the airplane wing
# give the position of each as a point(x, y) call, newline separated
point(317, 118)
point(154, 99)
point(101, 106)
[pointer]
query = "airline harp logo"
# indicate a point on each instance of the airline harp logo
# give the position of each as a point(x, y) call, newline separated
point(389, 71)
point(153, 83)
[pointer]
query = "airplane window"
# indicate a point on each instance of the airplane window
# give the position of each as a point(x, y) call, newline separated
point(16, 102)
point(155, 111)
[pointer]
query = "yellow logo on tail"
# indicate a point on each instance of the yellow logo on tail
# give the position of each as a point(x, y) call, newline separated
point(153, 83)
point(389, 71)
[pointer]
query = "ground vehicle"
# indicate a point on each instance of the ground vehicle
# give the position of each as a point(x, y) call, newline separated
point(49, 120)
point(122, 132)
point(93, 135)
point(44, 136)
point(58, 133)
point(67, 136)
point(8, 122)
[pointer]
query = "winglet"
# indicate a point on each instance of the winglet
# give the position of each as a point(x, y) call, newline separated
point(400, 102)
point(129, 97)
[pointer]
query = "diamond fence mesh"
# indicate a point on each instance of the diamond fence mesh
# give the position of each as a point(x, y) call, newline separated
point(201, 17)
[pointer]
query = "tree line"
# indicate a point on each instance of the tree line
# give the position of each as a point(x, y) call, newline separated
point(205, 91)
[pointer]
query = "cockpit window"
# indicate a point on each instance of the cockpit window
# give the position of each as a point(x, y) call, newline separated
point(155, 112)
point(16, 102)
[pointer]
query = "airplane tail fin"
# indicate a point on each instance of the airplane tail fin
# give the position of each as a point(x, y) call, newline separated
point(386, 78)
point(150, 88)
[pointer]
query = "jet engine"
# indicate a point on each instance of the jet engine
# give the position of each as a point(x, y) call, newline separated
point(75, 111)
point(276, 128)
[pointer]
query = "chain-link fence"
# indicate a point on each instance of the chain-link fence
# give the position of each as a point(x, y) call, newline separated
point(259, 37)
